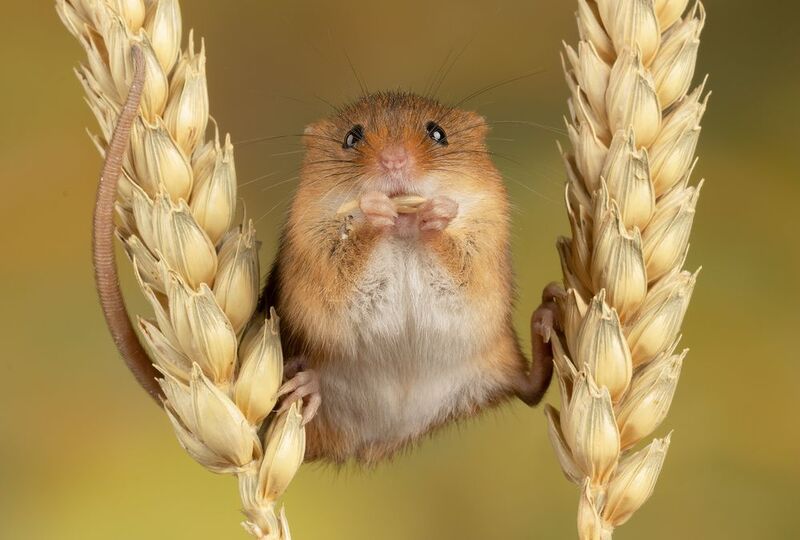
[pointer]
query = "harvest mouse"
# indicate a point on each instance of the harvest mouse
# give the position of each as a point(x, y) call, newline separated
point(396, 321)
point(396, 317)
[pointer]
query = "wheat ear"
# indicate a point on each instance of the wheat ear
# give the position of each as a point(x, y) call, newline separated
point(219, 368)
point(634, 130)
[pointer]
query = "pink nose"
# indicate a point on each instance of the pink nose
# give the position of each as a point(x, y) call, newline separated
point(394, 157)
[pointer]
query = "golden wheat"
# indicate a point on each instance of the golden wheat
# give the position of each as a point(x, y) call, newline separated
point(220, 370)
point(634, 127)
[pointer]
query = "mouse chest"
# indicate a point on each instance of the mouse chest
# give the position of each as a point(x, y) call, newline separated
point(406, 297)
point(411, 355)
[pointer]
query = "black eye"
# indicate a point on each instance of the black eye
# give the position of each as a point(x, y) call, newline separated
point(436, 133)
point(353, 136)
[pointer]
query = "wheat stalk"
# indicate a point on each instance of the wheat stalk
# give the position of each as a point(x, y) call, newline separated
point(219, 371)
point(634, 130)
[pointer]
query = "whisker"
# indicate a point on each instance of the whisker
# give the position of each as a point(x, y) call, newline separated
point(545, 127)
point(469, 175)
point(452, 65)
point(437, 73)
point(535, 192)
point(246, 142)
point(268, 212)
point(331, 160)
point(468, 128)
point(287, 153)
point(325, 196)
point(335, 108)
point(361, 83)
point(292, 179)
point(479, 152)
point(257, 179)
point(497, 85)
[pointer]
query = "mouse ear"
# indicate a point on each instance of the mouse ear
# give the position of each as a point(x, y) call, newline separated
point(313, 132)
point(308, 133)
point(478, 127)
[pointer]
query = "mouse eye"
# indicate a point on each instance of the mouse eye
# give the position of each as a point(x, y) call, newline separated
point(436, 133)
point(353, 136)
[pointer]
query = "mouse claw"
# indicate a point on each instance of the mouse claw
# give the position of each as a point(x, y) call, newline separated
point(543, 322)
point(546, 317)
point(311, 408)
point(437, 213)
point(378, 209)
point(302, 386)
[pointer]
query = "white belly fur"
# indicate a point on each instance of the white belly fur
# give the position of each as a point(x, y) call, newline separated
point(412, 355)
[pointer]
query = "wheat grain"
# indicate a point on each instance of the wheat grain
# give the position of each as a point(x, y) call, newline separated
point(403, 204)
point(633, 130)
point(220, 371)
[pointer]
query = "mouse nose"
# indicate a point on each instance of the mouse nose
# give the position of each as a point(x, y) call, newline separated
point(394, 157)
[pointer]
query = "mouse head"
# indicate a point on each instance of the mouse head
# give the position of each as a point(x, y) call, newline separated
point(398, 143)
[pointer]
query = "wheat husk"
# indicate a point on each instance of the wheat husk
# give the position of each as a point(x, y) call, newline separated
point(634, 125)
point(176, 206)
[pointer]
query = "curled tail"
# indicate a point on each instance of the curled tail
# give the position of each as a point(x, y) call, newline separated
point(105, 266)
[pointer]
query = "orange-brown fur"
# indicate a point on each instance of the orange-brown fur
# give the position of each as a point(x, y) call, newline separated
point(318, 272)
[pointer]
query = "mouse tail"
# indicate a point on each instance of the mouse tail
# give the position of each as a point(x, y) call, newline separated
point(105, 266)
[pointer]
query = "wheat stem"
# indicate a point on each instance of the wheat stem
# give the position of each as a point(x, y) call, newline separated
point(633, 126)
point(219, 367)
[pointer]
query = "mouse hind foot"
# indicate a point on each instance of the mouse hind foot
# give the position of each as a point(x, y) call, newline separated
point(302, 385)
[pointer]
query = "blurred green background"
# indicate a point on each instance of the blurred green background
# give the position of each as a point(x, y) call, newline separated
point(84, 454)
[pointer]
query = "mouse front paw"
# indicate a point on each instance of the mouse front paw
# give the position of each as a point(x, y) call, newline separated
point(378, 209)
point(436, 214)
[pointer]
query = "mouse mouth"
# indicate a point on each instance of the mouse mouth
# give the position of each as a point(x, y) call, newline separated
point(395, 187)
